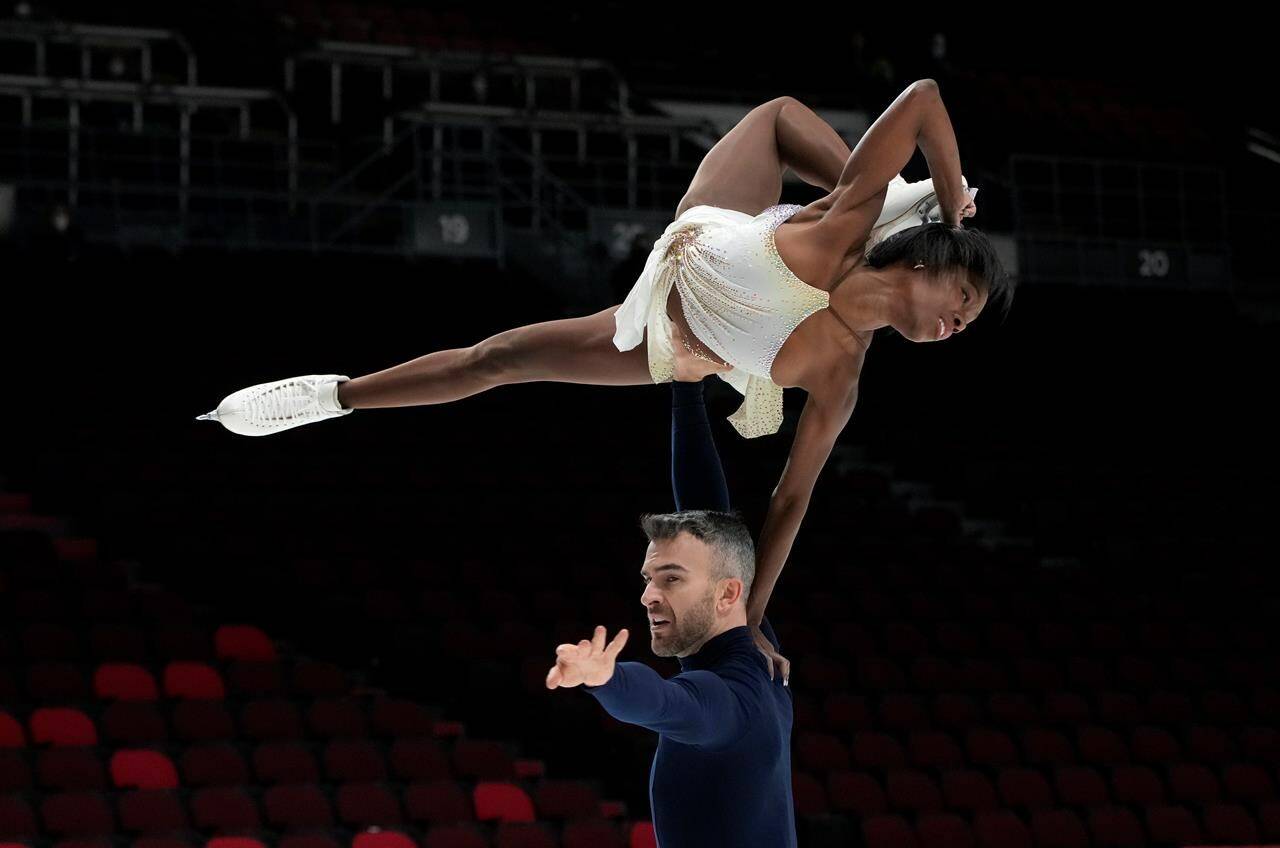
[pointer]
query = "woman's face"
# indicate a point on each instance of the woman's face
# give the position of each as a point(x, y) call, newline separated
point(938, 304)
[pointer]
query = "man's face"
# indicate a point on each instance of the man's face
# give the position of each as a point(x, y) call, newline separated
point(679, 591)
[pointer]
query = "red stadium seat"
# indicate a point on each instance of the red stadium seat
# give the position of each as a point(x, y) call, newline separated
point(124, 682)
point(318, 679)
point(1043, 747)
point(70, 769)
point(1058, 829)
point(16, 818)
point(438, 802)
point(1039, 675)
point(888, 832)
point(820, 752)
point(133, 723)
point(1023, 787)
point(933, 748)
point(483, 759)
point(944, 829)
point(1115, 827)
point(933, 674)
point(990, 748)
point(151, 811)
point(877, 674)
point(807, 794)
point(243, 642)
point(134, 769)
point(565, 799)
point(56, 682)
point(1137, 785)
point(502, 801)
point(367, 805)
point(1209, 745)
point(46, 641)
point(15, 774)
point(455, 836)
point(11, 733)
point(296, 807)
point(642, 836)
point(1247, 782)
point(314, 839)
point(285, 763)
point(530, 834)
point(1012, 708)
point(903, 712)
point(1118, 708)
point(956, 711)
point(1172, 825)
point(419, 759)
point(380, 839)
point(844, 711)
point(1229, 824)
point(193, 681)
point(117, 643)
point(1000, 829)
point(1170, 708)
point(77, 814)
point(877, 750)
point(336, 717)
point(62, 726)
point(354, 761)
point(856, 792)
point(1080, 786)
point(402, 719)
point(255, 679)
point(588, 833)
point(1066, 708)
point(224, 809)
point(1099, 746)
point(910, 790)
point(1223, 708)
point(1192, 784)
point(271, 719)
point(968, 789)
point(202, 721)
point(1260, 744)
point(1154, 745)
point(213, 765)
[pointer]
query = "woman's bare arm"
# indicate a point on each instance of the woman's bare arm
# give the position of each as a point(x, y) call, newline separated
point(916, 118)
point(825, 414)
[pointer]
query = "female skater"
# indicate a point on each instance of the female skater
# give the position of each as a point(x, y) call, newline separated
point(770, 296)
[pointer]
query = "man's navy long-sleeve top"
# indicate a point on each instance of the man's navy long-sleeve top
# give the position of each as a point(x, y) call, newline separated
point(721, 777)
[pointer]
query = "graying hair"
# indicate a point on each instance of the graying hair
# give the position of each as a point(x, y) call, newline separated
point(724, 532)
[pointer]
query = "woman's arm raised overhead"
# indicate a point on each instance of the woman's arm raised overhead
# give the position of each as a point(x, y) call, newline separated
point(916, 117)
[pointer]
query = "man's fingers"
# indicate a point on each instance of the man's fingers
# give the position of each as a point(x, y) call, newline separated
point(554, 677)
point(616, 645)
point(597, 640)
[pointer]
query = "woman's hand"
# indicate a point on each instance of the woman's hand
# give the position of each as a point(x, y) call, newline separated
point(690, 367)
point(771, 657)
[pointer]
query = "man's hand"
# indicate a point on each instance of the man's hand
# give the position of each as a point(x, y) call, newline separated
point(771, 657)
point(590, 662)
point(689, 366)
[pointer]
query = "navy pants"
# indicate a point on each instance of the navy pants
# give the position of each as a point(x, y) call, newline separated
point(697, 477)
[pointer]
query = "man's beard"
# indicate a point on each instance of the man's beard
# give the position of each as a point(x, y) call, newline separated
point(697, 622)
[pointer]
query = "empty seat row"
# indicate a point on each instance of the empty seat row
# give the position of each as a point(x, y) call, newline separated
point(125, 722)
point(1114, 827)
point(295, 806)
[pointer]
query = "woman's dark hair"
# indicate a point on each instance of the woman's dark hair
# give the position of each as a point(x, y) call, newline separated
point(940, 245)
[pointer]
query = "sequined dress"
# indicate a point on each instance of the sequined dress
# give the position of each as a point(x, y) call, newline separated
point(739, 299)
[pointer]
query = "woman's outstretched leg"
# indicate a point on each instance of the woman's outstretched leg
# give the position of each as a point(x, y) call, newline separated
point(569, 350)
point(697, 477)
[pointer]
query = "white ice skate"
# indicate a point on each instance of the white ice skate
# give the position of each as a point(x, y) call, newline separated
point(272, 407)
point(908, 205)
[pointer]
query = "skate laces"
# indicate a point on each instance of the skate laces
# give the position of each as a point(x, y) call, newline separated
point(283, 403)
